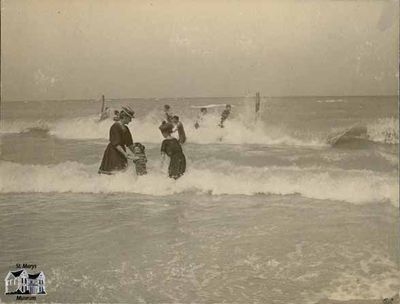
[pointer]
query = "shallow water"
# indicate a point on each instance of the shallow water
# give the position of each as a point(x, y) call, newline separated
point(202, 249)
point(267, 212)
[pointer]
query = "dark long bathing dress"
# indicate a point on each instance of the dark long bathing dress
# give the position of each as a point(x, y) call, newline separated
point(113, 160)
point(173, 149)
point(181, 133)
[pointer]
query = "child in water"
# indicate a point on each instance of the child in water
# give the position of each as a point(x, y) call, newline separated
point(179, 127)
point(225, 114)
point(116, 115)
point(140, 159)
point(171, 147)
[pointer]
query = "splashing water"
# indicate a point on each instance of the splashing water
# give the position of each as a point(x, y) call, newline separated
point(384, 130)
point(224, 178)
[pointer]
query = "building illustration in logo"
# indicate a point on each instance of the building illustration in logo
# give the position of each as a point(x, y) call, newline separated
point(21, 282)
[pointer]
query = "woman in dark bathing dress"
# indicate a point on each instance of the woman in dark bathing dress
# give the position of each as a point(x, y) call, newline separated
point(171, 147)
point(115, 157)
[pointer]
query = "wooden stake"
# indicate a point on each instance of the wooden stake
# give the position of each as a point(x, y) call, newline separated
point(258, 102)
point(103, 103)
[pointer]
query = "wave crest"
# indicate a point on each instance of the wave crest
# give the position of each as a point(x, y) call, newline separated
point(354, 186)
point(236, 131)
point(240, 130)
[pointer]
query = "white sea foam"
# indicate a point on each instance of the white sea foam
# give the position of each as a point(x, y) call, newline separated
point(145, 130)
point(240, 130)
point(365, 284)
point(236, 131)
point(354, 186)
point(330, 100)
point(384, 130)
point(21, 126)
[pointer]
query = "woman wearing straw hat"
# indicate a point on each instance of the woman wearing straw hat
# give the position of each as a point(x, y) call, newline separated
point(115, 157)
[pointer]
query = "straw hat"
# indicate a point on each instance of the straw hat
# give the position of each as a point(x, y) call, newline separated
point(128, 111)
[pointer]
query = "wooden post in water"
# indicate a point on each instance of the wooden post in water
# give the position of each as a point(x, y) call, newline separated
point(103, 113)
point(103, 103)
point(258, 103)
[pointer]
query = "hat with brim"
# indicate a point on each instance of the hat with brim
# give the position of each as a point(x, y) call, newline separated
point(128, 111)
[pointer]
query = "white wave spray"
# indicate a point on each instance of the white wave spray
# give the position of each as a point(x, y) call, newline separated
point(243, 129)
point(354, 186)
point(236, 131)
point(384, 130)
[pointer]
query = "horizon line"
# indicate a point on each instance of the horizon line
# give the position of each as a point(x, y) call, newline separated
point(192, 97)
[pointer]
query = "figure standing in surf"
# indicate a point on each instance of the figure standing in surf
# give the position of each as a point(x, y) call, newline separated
point(178, 127)
point(225, 114)
point(200, 117)
point(115, 157)
point(171, 147)
point(167, 113)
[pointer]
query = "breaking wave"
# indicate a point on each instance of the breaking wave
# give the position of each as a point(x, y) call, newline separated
point(384, 130)
point(354, 186)
point(146, 130)
point(21, 126)
point(236, 131)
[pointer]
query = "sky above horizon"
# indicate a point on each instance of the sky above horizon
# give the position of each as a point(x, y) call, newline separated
point(80, 49)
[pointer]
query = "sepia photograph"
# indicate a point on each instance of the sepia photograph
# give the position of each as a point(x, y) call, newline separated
point(199, 152)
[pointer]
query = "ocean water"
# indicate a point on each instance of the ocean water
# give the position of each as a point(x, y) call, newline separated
point(283, 207)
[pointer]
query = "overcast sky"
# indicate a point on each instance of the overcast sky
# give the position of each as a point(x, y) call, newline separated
point(78, 49)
